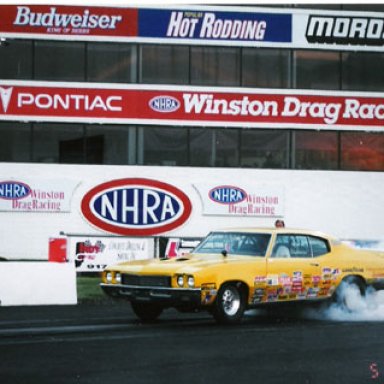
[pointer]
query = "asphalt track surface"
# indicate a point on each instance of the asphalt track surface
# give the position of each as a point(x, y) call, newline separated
point(107, 344)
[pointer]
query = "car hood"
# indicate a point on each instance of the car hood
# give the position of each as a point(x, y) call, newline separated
point(185, 264)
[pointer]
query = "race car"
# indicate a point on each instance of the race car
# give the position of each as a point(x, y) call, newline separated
point(233, 270)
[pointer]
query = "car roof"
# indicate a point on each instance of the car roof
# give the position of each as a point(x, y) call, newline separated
point(271, 230)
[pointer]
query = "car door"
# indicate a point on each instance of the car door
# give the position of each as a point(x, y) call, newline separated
point(292, 272)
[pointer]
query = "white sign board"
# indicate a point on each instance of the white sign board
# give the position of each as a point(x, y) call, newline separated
point(241, 200)
point(93, 254)
point(36, 195)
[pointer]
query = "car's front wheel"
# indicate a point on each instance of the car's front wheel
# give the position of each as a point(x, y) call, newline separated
point(229, 305)
point(146, 312)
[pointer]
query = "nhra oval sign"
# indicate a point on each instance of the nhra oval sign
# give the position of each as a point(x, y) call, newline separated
point(14, 190)
point(227, 194)
point(136, 206)
point(164, 104)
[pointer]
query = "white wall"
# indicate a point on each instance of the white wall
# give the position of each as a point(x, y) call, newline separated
point(37, 283)
point(349, 205)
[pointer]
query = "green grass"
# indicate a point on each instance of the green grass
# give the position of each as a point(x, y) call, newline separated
point(88, 290)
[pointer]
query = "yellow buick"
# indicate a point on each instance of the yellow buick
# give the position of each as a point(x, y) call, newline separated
point(233, 270)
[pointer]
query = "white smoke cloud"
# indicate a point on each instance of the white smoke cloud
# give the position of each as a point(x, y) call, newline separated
point(361, 308)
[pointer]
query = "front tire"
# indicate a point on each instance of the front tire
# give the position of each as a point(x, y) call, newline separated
point(229, 305)
point(146, 312)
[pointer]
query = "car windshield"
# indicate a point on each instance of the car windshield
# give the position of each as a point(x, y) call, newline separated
point(238, 243)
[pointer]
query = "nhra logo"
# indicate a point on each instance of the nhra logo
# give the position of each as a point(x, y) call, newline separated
point(227, 194)
point(164, 104)
point(136, 207)
point(14, 190)
point(345, 30)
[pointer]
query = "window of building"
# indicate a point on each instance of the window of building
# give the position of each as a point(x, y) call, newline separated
point(362, 151)
point(265, 68)
point(15, 143)
point(363, 71)
point(164, 64)
point(215, 66)
point(264, 148)
point(58, 143)
point(214, 147)
point(59, 60)
point(109, 144)
point(110, 62)
point(16, 60)
point(315, 150)
point(316, 69)
point(163, 146)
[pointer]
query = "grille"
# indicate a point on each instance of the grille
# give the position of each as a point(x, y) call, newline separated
point(148, 281)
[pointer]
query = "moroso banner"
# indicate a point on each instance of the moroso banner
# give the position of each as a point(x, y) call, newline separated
point(172, 105)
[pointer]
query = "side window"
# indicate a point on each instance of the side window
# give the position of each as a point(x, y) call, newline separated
point(293, 246)
point(281, 247)
point(300, 247)
point(319, 246)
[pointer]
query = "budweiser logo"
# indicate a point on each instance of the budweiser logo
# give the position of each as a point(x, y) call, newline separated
point(5, 97)
point(54, 19)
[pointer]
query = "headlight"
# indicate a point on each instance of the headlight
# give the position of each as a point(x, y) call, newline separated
point(180, 281)
point(118, 278)
point(108, 277)
point(191, 281)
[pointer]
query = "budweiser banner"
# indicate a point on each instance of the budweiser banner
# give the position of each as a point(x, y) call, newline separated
point(173, 105)
point(68, 20)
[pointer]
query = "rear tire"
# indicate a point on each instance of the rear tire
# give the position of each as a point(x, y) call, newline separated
point(146, 312)
point(350, 294)
point(229, 305)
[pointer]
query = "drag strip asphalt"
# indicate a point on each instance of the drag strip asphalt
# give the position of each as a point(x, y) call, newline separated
point(106, 344)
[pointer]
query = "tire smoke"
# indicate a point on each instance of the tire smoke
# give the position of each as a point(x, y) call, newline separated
point(354, 306)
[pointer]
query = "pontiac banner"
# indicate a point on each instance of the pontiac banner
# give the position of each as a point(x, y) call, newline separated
point(174, 105)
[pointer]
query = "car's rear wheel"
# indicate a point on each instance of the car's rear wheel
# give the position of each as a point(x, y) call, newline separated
point(229, 305)
point(350, 294)
point(146, 312)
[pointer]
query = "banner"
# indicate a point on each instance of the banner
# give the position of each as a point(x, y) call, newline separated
point(35, 195)
point(173, 105)
point(215, 25)
point(242, 200)
point(93, 254)
point(249, 26)
point(64, 21)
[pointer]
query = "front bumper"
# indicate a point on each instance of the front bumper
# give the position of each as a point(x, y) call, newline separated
point(167, 296)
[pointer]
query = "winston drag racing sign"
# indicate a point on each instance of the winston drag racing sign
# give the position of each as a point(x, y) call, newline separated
point(175, 105)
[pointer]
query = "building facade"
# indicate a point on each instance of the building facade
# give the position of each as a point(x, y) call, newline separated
point(241, 109)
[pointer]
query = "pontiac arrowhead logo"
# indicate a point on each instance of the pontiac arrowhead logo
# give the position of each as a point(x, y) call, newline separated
point(5, 96)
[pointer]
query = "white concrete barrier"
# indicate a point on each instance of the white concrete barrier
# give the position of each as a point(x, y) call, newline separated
point(37, 283)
